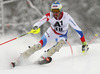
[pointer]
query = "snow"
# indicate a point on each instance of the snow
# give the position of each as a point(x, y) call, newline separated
point(63, 61)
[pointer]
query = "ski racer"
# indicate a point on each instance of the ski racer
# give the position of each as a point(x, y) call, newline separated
point(58, 30)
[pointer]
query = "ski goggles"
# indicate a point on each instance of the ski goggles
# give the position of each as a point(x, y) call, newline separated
point(55, 10)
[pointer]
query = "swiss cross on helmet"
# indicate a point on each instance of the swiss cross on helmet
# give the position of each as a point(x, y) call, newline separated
point(56, 7)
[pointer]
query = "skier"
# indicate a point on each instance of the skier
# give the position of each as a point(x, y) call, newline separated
point(58, 30)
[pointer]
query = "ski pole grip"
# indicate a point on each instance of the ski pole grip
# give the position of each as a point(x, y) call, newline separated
point(96, 35)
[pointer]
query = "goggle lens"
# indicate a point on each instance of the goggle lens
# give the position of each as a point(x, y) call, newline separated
point(55, 10)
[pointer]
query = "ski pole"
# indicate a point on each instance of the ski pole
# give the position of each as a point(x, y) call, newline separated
point(14, 38)
point(93, 38)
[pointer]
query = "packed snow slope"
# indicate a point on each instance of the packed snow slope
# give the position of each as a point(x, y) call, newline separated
point(63, 61)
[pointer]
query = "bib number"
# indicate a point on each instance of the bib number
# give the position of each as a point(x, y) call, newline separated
point(58, 26)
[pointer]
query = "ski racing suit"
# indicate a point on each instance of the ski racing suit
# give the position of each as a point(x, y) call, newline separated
point(57, 31)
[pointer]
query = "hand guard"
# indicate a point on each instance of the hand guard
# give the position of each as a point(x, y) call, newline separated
point(85, 47)
point(35, 30)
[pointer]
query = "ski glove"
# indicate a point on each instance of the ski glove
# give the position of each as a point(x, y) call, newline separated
point(85, 47)
point(35, 30)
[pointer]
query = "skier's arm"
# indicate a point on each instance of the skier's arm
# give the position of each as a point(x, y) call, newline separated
point(77, 29)
point(44, 19)
point(72, 23)
point(36, 26)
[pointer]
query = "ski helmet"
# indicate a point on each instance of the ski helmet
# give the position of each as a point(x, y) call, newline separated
point(56, 7)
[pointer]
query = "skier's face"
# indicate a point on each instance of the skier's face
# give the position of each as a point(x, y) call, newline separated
point(56, 12)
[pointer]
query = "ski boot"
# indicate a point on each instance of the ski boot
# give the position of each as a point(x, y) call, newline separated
point(85, 47)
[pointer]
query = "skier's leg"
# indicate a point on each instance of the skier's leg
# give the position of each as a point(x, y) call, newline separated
point(55, 48)
point(31, 50)
point(24, 56)
point(46, 57)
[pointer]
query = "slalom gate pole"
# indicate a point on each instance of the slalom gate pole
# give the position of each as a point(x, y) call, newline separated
point(93, 38)
point(14, 38)
point(70, 47)
point(89, 43)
